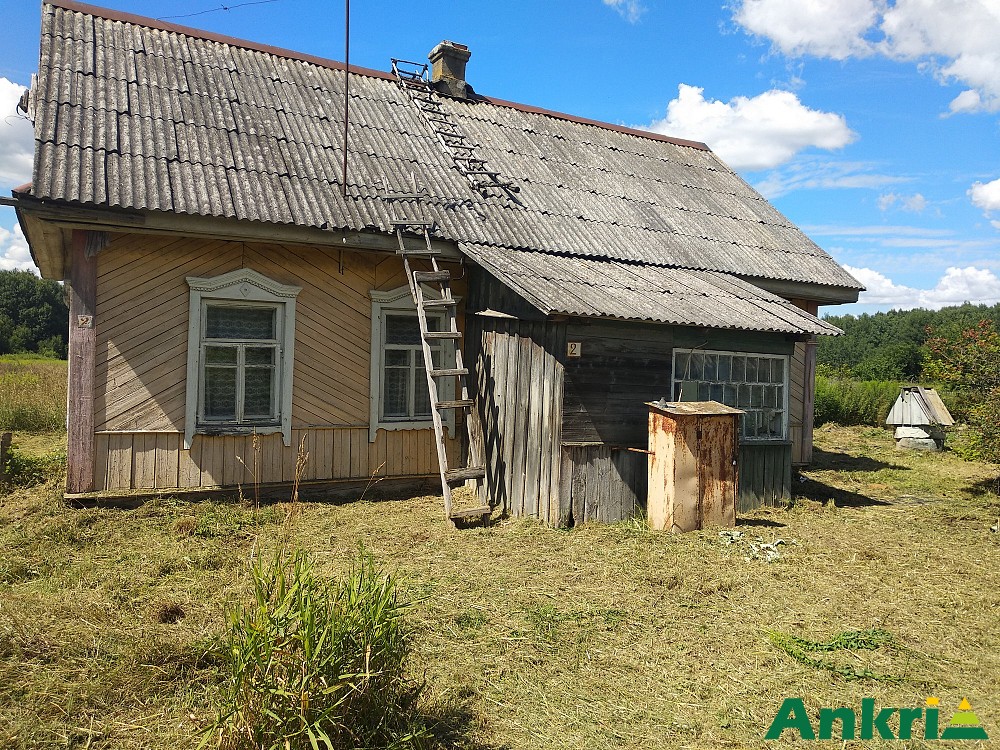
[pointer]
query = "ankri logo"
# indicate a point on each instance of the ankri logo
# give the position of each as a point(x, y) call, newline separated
point(887, 723)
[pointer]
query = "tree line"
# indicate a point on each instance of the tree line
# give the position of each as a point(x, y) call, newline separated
point(34, 317)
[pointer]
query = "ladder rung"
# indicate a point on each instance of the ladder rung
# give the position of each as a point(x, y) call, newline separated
point(439, 302)
point(460, 403)
point(470, 472)
point(465, 146)
point(432, 276)
point(443, 335)
point(421, 253)
point(446, 373)
point(398, 222)
point(481, 512)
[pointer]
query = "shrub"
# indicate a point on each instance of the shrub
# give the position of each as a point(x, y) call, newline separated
point(25, 470)
point(314, 664)
point(853, 402)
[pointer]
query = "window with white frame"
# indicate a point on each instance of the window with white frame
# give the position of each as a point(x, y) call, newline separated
point(241, 338)
point(399, 397)
point(755, 383)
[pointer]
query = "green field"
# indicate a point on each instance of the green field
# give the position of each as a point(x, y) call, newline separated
point(527, 637)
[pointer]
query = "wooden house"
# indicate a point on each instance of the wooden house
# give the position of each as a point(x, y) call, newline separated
point(236, 301)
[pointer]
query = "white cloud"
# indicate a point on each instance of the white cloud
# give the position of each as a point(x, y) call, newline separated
point(986, 195)
point(631, 10)
point(915, 203)
point(14, 254)
point(753, 133)
point(957, 285)
point(17, 139)
point(954, 39)
point(811, 27)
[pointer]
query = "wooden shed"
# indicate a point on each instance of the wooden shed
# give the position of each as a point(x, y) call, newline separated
point(919, 416)
point(489, 295)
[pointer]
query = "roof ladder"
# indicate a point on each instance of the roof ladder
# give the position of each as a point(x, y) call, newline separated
point(412, 78)
point(444, 304)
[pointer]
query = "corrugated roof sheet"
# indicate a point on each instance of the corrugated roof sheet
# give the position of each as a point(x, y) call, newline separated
point(133, 113)
point(596, 287)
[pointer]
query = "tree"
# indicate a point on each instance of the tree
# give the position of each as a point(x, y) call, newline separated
point(33, 315)
point(969, 362)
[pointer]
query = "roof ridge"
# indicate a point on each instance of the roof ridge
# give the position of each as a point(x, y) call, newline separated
point(325, 62)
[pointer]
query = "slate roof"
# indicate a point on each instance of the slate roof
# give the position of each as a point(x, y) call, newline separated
point(136, 113)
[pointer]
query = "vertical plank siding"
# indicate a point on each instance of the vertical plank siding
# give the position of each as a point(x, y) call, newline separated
point(765, 475)
point(140, 365)
point(602, 483)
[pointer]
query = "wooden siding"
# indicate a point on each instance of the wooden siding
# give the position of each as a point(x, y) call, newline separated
point(519, 387)
point(765, 476)
point(141, 361)
point(157, 460)
point(601, 483)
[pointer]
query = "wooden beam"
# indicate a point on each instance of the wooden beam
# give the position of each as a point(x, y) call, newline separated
point(84, 247)
point(808, 401)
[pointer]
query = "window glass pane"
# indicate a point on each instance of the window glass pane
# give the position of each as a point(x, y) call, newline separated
point(704, 391)
point(739, 369)
point(777, 371)
point(258, 389)
point(696, 366)
point(394, 392)
point(220, 392)
point(220, 355)
point(743, 399)
point(717, 393)
point(725, 368)
point(680, 366)
point(771, 395)
point(756, 396)
point(751, 370)
point(435, 323)
point(711, 368)
point(402, 329)
point(226, 322)
point(421, 398)
point(259, 355)
point(729, 395)
point(397, 357)
point(763, 370)
point(775, 424)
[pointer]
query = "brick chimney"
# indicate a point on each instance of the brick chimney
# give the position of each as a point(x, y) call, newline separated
point(448, 61)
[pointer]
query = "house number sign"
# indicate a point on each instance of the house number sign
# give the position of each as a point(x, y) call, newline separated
point(84, 321)
point(574, 349)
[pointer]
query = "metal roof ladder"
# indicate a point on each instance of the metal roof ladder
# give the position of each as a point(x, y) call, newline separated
point(446, 304)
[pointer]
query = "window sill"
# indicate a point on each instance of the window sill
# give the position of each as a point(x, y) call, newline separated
point(234, 429)
point(424, 424)
point(752, 443)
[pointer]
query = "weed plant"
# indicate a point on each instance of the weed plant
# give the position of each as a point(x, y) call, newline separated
point(854, 402)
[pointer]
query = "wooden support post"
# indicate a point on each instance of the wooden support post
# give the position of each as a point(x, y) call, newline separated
point(82, 353)
point(808, 400)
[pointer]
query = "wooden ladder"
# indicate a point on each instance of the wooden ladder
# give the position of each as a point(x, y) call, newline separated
point(464, 402)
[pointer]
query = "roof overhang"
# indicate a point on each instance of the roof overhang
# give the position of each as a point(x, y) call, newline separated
point(823, 294)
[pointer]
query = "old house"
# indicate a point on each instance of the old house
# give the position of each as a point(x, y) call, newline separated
point(235, 303)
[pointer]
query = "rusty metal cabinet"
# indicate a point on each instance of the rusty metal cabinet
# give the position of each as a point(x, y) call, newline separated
point(693, 450)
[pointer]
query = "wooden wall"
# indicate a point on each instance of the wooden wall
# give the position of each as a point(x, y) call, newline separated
point(518, 381)
point(601, 483)
point(141, 361)
point(765, 475)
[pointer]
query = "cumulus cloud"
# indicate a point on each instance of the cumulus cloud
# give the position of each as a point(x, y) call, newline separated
point(760, 132)
point(631, 10)
point(957, 285)
point(811, 27)
point(986, 195)
point(915, 203)
point(14, 254)
point(955, 39)
point(17, 139)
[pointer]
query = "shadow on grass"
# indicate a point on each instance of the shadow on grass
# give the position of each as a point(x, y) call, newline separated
point(846, 462)
point(451, 726)
point(990, 485)
point(762, 522)
point(810, 489)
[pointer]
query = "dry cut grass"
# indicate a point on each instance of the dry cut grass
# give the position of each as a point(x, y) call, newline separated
point(528, 637)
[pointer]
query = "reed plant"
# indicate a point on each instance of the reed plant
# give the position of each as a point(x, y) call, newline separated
point(318, 664)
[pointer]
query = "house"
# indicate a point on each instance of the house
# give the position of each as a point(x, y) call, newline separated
point(236, 302)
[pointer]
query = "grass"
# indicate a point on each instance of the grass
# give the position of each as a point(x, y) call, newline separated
point(601, 636)
point(32, 394)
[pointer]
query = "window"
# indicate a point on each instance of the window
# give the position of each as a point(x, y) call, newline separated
point(399, 397)
point(241, 338)
point(755, 383)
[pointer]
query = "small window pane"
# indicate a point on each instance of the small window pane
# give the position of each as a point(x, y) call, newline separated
point(680, 366)
point(697, 366)
point(226, 322)
point(258, 393)
point(711, 368)
point(743, 399)
point(704, 391)
point(259, 356)
point(763, 370)
point(394, 392)
point(220, 393)
point(421, 398)
point(739, 369)
point(717, 393)
point(402, 330)
point(751, 370)
point(771, 395)
point(397, 358)
point(777, 371)
point(220, 355)
point(725, 368)
point(729, 395)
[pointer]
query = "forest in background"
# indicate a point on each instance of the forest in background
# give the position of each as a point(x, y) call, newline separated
point(33, 315)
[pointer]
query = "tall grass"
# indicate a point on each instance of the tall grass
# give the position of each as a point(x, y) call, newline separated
point(314, 664)
point(854, 402)
point(32, 394)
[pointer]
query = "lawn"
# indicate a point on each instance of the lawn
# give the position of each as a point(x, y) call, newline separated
point(527, 637)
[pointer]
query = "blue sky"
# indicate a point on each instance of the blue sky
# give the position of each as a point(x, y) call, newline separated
point(874, 125)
